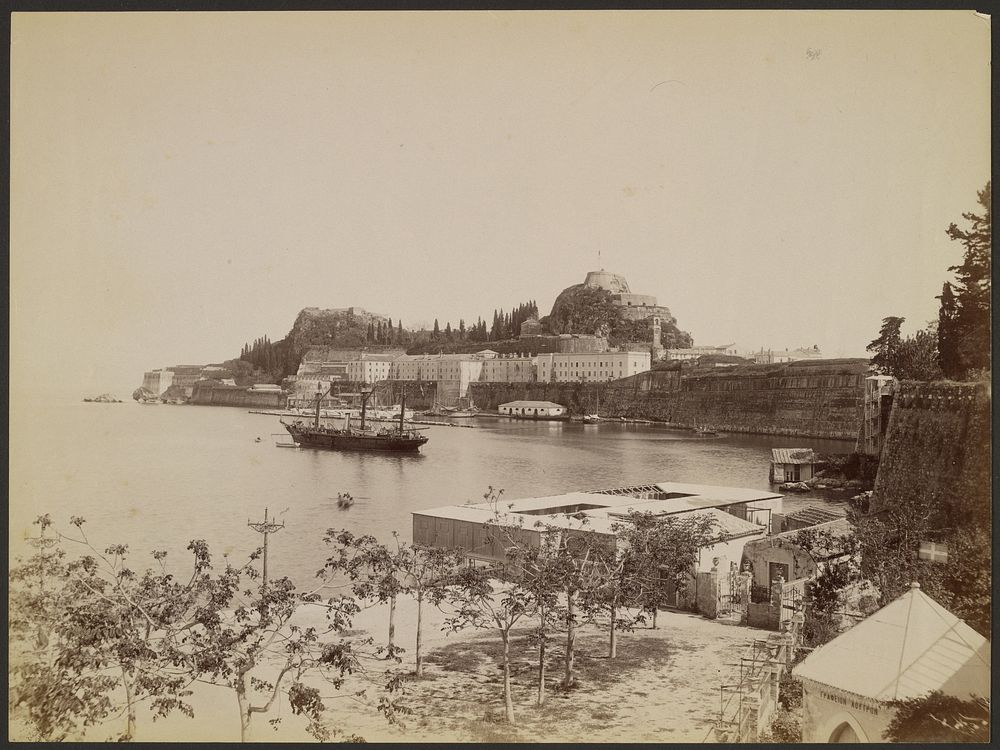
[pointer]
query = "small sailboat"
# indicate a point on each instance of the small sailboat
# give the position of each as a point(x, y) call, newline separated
point(595, 417)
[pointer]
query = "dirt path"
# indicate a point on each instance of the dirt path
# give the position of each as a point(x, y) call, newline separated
point(662, 687)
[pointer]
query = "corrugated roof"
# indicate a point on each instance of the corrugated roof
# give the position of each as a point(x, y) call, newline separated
point(793, 456)
point(906, 649)
point(814, 516)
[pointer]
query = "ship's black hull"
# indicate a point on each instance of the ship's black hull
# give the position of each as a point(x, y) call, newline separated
point(339, 440)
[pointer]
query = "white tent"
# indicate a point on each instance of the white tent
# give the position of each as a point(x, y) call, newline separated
point(907, 649)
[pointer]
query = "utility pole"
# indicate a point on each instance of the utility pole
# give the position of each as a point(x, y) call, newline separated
point(265, 527)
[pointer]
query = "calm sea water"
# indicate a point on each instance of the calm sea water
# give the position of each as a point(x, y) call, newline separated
point(155, 477)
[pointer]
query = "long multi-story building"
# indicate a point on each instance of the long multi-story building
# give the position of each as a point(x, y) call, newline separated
point(694, 352)
point(371, 368)
point(509, 370)
point(451, 372)
point(598, 366)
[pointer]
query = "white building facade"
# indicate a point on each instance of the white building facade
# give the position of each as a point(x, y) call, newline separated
point(568, 367)
point(370, 369)
point(509, 370)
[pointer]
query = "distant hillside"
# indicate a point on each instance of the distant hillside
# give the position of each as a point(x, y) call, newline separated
point(583, 309)
point(342, 328)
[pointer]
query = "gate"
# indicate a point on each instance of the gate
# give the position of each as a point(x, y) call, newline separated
point(793, 594)
point(734, 592)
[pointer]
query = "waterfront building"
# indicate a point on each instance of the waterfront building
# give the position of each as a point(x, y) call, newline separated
point(181, 376)
point(451, 372)
point(793, 464)
point(907, 649)
point(533, 410)
point(591, 367)
point(157, 381)
point(329, 363)
point(509, 369)
point(370, 368)
point(879, 390)
point(740, 515)
point(303, 393)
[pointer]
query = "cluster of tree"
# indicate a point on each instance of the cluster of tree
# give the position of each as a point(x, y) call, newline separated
point(625, 330)
point(825, 594)
point(273, 360)
point(583, 309)
point(92, 640)
point(383, 334)
point(506, 325)
point(889, 541)
point(957, 344)
point(964, 322)
point(912, 358)
point(551, 589)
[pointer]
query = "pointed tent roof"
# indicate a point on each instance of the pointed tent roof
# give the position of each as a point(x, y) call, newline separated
point(907, 649)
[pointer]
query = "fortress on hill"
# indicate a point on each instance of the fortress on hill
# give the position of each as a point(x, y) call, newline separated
point(634, 306)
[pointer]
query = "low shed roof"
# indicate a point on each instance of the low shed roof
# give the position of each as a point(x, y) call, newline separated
point(533, 405)
point(814, 516)
point(793, 456)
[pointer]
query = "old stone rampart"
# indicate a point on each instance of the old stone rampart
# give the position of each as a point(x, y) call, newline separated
point(937, 446)
point(228, 395)
point(819, 398)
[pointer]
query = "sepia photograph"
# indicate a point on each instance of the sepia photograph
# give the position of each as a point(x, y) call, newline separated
point(528, 376)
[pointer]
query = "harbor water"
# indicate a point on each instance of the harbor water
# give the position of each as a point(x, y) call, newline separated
point(156, 477)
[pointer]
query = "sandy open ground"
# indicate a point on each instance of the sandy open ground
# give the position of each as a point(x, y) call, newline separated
point(662, 687)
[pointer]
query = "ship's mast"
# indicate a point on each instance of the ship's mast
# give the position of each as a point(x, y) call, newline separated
point(402, 408)
point(319, 400)
point(364, 401)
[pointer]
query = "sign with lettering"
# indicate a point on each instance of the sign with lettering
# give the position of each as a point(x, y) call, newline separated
point(852, 701)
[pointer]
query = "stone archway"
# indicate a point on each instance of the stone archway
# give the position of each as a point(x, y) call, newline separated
point(843, 726)
point(844, 733)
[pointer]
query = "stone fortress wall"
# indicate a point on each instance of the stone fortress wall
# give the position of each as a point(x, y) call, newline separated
point(818, 398)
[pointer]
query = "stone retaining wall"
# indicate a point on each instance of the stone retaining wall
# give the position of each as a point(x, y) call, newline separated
point(820, 399)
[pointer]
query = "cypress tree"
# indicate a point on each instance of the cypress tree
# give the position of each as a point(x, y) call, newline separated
point(949, 358)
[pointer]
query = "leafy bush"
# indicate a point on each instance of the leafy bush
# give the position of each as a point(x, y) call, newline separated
point(785, 727)
point(937, 717)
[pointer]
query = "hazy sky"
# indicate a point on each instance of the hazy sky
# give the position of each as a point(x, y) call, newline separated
point(183, 183)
